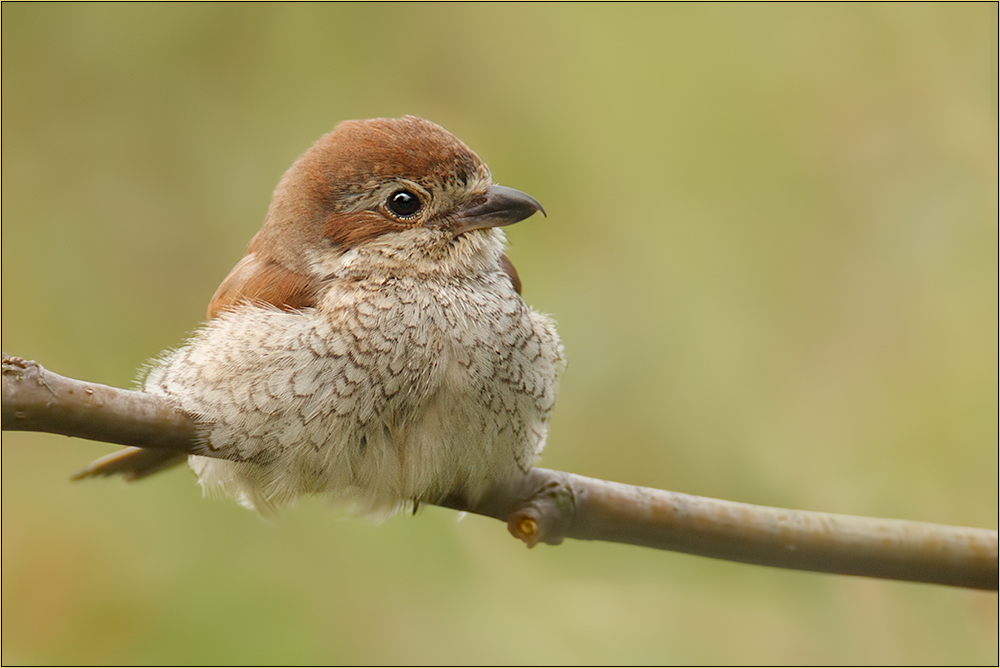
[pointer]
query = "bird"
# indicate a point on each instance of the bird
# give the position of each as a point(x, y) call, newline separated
point(372, 346)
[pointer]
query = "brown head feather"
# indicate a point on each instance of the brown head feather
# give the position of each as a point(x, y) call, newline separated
point(347, 165)
point(319, 207)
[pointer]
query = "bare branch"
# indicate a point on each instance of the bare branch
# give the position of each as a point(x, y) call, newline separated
point(35, 399)
point(551, 505)
point(547, 506)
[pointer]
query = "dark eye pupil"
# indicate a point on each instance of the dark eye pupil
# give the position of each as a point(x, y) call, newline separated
point(403, 203)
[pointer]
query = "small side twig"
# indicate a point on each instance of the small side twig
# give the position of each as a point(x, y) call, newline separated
point(548, 506)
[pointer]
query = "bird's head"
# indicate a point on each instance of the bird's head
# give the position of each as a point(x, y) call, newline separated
point(399, 189)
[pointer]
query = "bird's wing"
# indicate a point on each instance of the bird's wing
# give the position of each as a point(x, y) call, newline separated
point(508, 268)
point(258, 279)
point(254, 279)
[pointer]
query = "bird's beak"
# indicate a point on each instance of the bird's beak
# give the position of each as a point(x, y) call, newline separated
point(503, 206)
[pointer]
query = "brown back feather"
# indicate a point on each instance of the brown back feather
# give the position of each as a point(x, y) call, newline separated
point(507, 267)
point(259, 280)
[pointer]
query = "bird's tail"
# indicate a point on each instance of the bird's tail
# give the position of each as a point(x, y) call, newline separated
point(132, 463)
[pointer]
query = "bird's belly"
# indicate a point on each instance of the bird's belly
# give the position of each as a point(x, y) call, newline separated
point(401, 407)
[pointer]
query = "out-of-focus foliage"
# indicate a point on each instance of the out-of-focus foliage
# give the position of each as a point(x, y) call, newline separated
point(771, 249)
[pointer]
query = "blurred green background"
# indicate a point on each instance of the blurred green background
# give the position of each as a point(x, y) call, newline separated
point(771, 250)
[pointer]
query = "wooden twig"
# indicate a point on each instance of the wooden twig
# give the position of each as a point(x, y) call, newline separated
point(548, 506)
point(35, 399)
point(551, 505)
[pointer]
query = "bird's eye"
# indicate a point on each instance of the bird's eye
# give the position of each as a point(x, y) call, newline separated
point(403, 203)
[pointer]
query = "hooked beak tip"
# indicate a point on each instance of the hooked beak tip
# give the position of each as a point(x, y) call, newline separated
point(503, 206)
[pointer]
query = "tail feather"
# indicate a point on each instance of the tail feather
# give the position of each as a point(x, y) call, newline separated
point(131, 463)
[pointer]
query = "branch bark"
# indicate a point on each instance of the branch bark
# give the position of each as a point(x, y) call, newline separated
point(548, 506)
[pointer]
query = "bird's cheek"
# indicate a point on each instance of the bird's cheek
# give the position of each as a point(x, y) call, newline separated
point(349, 230)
